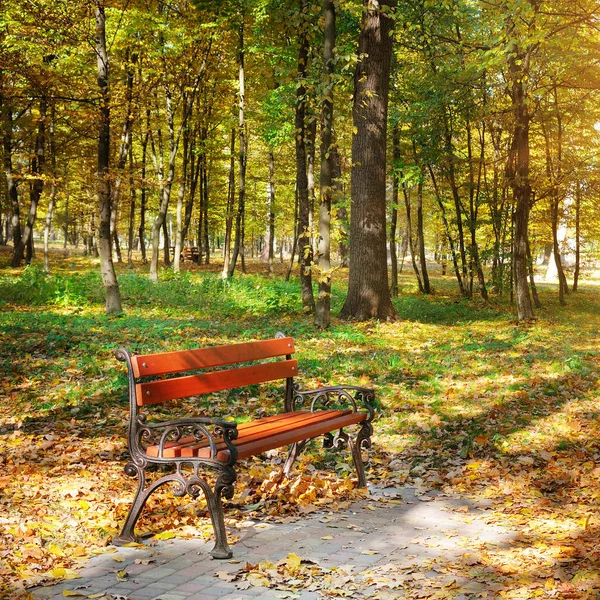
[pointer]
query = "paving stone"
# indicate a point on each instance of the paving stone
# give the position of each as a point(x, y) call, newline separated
point(183, 570)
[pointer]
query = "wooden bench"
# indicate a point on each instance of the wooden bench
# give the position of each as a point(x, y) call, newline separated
point(190, 253)
point(200, 453)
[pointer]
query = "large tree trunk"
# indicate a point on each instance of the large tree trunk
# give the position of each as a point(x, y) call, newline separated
point(303, 234)
point(111, 286)
point(368, 292)
point(518, 176)
point(323, 308)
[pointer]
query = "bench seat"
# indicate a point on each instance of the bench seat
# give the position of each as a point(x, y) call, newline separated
point(268, 433)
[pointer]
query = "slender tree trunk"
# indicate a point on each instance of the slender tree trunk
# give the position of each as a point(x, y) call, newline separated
point(323, 308)
point(421, 239)
point(230, 207)
point(295, 241)
point(111, 286)
point(132, 203)
point(410, 236)
point(181, 194)
point(67, 220)
point(449, 237)
point(577, 236)
point(53, 186)
point(144, 191)
point(534, 294)
point(25, 247)
point(11, 182)
point(395, 204)
point(368, 292)
point(242, 154)
point(205, 190)
point(35, 190)
point(269, 252)
point(304, 242)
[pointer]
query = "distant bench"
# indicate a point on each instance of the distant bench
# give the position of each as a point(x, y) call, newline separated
point(187, 253)
point(199, 449)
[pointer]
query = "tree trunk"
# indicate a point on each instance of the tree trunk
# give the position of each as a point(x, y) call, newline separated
point(242, 154)
point(368, 292)
point(269, 252)
point(394, 215)
point(11, 182)
point(518, 176)
point(35, 190)
point(144, 191)
point(111, 285)
point(230, 207)
point(52, 200)
point(411, 239)
point(536, 298)
point(577, 236)
point(132, 203)
point(181, 194)
point(206, 244)
point(304, 242)
point(323, 308)
point(421, 239)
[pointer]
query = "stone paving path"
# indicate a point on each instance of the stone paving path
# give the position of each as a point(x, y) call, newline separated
point(403, 537)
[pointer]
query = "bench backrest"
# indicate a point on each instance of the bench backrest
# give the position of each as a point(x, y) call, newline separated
point(204, 380)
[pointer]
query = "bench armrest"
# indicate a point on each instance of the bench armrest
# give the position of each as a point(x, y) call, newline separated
point(165, 435)
point(352, 397)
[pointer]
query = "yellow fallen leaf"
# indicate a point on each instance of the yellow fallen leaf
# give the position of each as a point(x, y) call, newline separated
point(118, 558)
point(62, 573)
point(56, 550)
point(370, 552)
point(327, 537)
point(293, 562)
point(165, 535)
point(72, 593)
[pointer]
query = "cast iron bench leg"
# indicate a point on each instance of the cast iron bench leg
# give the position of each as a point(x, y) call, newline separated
point(127, 535)
point(295, 451)
point(223, 489)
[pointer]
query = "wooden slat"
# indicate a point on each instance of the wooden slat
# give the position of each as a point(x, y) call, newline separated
point(261, 430)
point(173, 449)
point(284, 439)
point(202, 358)
point(263, 438)
point(156, 392)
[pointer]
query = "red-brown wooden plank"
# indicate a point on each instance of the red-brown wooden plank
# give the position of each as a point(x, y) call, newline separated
point(156, 392)
point(285, 438)
point(173, 449)
point(250, 447)
point(202, 358)
point(262, 430)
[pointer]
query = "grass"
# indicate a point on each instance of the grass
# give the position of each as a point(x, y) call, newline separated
point(470, 402)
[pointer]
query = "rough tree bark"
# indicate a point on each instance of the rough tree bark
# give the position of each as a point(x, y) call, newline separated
point(111, 285)
point(323, 308)
point(368, 292)
point(303, 232)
